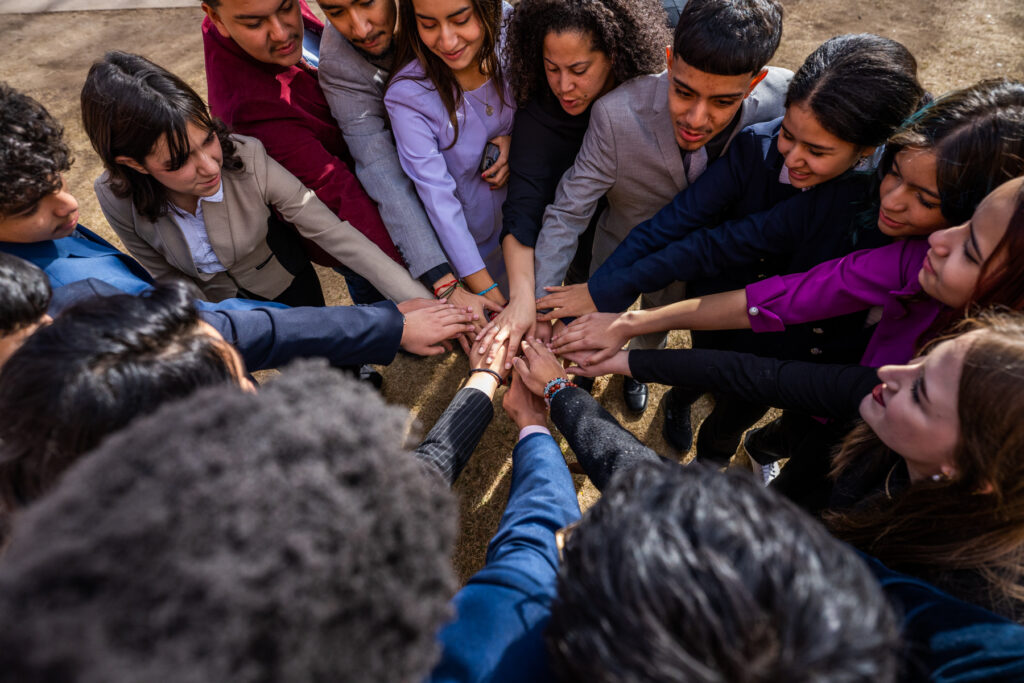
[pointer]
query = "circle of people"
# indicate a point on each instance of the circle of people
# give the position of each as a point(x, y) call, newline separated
point(839, 242)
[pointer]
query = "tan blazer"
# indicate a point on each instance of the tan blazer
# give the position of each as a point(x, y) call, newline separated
point(237, 229)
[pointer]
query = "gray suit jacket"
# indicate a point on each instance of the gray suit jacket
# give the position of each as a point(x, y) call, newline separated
point(237, 228)
point(354, 88)
point(629, 154)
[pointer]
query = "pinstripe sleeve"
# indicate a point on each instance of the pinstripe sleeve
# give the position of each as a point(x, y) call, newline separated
point(453, 439)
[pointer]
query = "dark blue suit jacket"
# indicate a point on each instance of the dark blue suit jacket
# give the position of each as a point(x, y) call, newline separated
point(266, 334)
point(501, 613)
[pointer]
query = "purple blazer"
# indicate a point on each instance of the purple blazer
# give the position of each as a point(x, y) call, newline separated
point(864, 279)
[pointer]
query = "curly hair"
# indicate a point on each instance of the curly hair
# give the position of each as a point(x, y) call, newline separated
point(283, 536)
point(631, 33)
point(25, 292)
point(33, 154)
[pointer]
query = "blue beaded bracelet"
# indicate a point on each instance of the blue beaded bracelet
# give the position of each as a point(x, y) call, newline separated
point(487, 290)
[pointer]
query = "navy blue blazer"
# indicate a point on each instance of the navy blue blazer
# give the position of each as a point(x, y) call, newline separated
point(738, 224)
point(267, 335)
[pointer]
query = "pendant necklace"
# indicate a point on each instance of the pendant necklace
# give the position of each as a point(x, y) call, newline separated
point(487, 106)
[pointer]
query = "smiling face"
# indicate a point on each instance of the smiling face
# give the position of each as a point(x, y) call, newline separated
point(198, 177)
point(915, 409)
point(909, 195)
point(577, 73)
point(269, 31)
point(52, 217)
point(953, 265)
point(451, 30)
point(368, 24)
point(812, 154)
point(702, 104)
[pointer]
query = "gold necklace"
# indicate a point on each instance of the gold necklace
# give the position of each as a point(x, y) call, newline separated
point(487, 107)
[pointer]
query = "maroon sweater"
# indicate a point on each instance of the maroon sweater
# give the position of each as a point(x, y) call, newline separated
point(286, 110)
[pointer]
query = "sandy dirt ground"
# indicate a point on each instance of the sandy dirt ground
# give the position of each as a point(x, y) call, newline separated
point(47, 55)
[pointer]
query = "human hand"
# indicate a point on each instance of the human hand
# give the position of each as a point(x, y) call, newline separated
point(537, 366)
point(581, 365)
point(426, 329)
point(497, 175)
point(602, 333)
point(495, 362)
point(463, 298)
point(523, 406)
point(409, 305)
point(569, 301)
point(518, 319)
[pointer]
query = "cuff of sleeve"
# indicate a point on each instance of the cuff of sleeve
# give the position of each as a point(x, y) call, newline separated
point(434, 274)
point(760, 296)
point(529, 430)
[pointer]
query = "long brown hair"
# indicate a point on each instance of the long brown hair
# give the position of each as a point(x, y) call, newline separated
point(410, 46)
point(974, 522)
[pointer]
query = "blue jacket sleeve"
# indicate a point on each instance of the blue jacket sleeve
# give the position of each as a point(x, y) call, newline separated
point(947, 640)
point(820, 216)
point(497, 634)
point(269, 336)
point(613, 286)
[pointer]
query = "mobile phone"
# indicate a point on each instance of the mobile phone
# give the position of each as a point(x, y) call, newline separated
point(491, 154)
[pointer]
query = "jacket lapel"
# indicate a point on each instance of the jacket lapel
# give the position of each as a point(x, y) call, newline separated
point(661, 123)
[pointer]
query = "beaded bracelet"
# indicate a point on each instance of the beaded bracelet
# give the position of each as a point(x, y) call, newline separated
point(553, 387)
point(442, 287)
point(489, 372)
point(487, 290)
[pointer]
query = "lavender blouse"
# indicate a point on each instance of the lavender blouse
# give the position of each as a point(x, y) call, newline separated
point(863, 279)
point(464, 210)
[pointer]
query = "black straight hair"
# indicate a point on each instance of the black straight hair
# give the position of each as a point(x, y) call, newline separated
point(103, 362)
point(24, 293)
point(728, 37)
point(860, 87)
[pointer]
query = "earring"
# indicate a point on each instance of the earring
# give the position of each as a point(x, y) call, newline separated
point(939, 477)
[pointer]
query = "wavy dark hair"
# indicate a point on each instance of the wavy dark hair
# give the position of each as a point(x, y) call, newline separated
point(861, 87)
point(33, 153)
point(103, 362)
point(631, 33)
point(689, 574)
point(977, 134)
point(128, 103)
point(409, 46)
point(972, 524)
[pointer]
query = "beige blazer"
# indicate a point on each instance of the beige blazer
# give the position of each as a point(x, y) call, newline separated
point(237, 229)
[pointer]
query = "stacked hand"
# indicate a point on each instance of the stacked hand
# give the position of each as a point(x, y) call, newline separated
point(599, 335)
point(570, 301)
point(430, 324)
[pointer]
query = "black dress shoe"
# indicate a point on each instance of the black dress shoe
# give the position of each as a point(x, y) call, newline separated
point(677, 430)
point(368, 374)
point(364, 373)
point(635, 395)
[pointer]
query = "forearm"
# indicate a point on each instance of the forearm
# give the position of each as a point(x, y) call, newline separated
point(602, 446)
point(723, 311)
point(450, 443)
point(519, 265)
